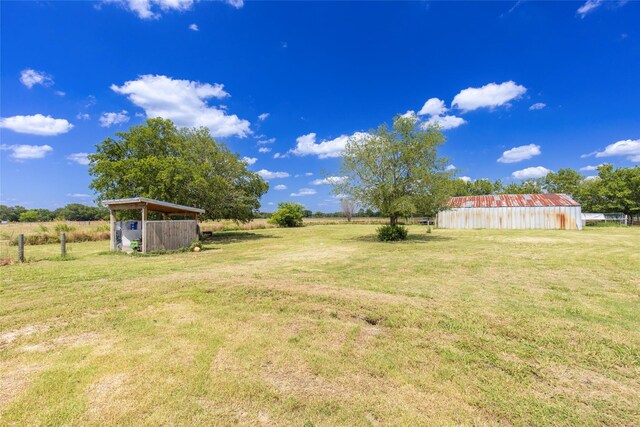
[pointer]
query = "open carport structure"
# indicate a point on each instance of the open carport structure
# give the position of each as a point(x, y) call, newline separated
point(512, 211)
point(154, 235)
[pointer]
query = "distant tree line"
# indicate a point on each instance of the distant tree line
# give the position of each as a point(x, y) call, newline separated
point(612, 190)
point(361, 213)
point(71, 212)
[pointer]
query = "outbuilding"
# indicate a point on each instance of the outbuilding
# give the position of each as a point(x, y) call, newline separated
point(154, 235)
point(512, 211)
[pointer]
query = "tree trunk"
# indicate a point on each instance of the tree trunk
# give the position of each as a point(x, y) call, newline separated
point(393, 220)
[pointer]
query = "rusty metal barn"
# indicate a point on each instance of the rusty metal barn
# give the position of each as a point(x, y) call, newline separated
point(512, 211)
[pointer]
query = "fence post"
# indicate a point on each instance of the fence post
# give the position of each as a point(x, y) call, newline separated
point(63, 244)
point(21, 247)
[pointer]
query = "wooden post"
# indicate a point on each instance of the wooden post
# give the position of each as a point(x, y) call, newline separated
point(21, 247)
point(63, 245)
point(112, 225)
point(143, 229)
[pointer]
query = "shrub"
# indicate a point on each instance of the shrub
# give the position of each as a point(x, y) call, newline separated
point(196, 244)
point(63, 227)
point(289, 214)
point(43, 229)
point(29, 216)
point(391, 233)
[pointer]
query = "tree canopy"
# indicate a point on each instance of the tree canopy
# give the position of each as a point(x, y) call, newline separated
point(613, 190)
point(289, 214)
point(396, 170)
point(565, 181)
point(183, 166)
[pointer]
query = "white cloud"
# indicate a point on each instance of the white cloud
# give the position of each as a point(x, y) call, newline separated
point(589, 6)
point(30, 78)
point(249, 160)
point(280, 156)
point(628, 147)
point(194, 27)
point(591, 178)
point(26, 152)
point(83, 116)
point(488, 96)
point(518, 154)
point(59, 92)
point(433, 107)
point(330, 180)
point(263, 116)
point(235, 3)
point(450, 167)
point(266, 174)
point(591, 168)
point(79, 158)
point(36, 125)
point(304, 192)
point(410, 114)
point(306, 145)
point(264, 149)
point(531, 173)
point(150, 9)
point(465, 178)
point(110, 119)
point(445, 122)
point(78, 195)
point(184, 102)
point(280, 187)
point(91, 101)
point(266, 141)
point(538, 106)
point(308, 174)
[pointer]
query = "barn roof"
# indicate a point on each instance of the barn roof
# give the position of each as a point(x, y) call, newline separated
point(512, 200)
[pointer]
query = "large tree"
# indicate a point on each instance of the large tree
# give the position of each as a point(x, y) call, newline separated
point(614, 190)
point(184, 166)
point(479, 187)
point(396, 170)
point(565, 181)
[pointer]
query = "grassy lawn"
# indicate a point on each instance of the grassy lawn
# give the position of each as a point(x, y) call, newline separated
point(324, 326)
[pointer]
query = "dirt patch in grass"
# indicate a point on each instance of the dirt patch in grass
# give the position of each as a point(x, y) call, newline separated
point(300, 381)
point(586, 384)
point(14, 381)
point(105, 396)
point(225, 362)
point(100, 345)
point(8, 338)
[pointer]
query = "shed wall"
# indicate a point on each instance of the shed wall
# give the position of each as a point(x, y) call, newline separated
point(547, 217)
point(169, 235)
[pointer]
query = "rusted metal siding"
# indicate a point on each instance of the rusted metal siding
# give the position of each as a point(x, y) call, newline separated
point(512, 200)
point(514, 217)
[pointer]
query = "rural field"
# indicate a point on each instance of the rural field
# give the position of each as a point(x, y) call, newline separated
point(323, 325)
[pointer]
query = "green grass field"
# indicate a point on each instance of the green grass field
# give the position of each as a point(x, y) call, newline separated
point(324, 326)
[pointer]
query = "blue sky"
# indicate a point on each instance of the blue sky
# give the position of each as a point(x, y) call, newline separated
point(520, 87)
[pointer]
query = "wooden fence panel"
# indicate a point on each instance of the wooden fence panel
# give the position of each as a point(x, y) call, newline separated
point(169, 235)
